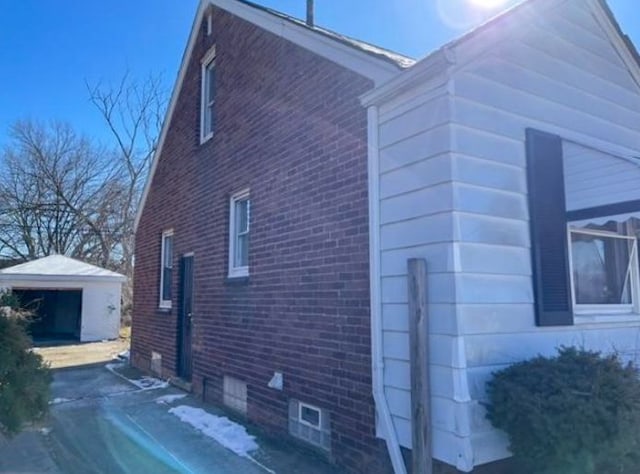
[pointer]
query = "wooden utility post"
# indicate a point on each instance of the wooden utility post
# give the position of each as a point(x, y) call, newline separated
point(422, 462)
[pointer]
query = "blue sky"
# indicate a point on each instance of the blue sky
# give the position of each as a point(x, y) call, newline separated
point(49, 48)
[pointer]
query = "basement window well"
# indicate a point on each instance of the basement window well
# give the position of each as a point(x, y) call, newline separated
point(234, 394)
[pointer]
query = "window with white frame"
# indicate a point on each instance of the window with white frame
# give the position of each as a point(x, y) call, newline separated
point(208, 112)
point(166, 269)
point(239, 225)
point(604, 268)
point(309, 415)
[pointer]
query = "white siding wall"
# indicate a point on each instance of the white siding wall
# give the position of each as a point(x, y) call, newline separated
point(452, 189)
point(100, 311)
point(563, 76)
point(416, 203)
point(594, 178)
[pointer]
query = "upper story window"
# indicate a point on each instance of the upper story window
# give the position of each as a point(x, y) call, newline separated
point(166, 268)
point(208, 96)
point(604, 268)
point(239, 225)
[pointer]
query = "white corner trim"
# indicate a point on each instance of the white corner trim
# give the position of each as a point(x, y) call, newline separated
point(388, 431)
point(376, 69)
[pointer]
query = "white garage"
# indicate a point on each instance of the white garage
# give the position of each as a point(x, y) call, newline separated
point(72, 300)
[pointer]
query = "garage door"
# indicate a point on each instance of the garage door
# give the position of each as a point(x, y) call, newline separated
point(57, 312)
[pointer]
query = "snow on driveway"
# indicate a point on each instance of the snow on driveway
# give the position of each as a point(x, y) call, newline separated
point(169, 399)
point(229, 434)
point(143, 383)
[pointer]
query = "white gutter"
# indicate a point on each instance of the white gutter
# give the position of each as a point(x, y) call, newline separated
point(382, 406)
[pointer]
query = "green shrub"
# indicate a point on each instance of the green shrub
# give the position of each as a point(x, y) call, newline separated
point(24, 378)
point(575, 413)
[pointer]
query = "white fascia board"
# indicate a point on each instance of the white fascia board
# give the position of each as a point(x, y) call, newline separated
point(16, 277)
point(378, 70)
point(428, 69)
point(349, 57)
point(605, 22)
point(459, 53)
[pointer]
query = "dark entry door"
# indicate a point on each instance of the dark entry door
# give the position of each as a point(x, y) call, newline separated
point(185, 317)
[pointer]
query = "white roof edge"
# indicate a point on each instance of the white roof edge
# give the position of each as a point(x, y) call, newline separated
point(59, 267)
point(60, 278)
point(606, 20)
point(376, 69)
point(436, 62)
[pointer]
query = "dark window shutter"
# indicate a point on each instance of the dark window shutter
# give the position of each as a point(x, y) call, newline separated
point(548, 224)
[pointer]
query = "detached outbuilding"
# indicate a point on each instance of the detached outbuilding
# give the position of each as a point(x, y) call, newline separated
point(72, 300)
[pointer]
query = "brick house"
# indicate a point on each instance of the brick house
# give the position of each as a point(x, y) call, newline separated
point(299, 170)
point(264, 152)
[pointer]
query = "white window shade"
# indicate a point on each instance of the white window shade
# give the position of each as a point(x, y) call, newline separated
point(599, 221)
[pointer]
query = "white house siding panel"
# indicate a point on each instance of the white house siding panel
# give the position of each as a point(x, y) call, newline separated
point(416, 221)
point(562, 76)
point(427, 115)
point(595, 178)
point(100, 311)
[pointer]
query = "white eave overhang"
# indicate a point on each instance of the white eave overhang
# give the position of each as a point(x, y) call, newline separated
point(428, 69)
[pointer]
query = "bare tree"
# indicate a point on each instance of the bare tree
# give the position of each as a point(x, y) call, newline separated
point(133, 112)
point(52, 189)
point(62, 193)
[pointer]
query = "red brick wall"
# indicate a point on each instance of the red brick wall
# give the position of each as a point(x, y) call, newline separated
point(290, 128)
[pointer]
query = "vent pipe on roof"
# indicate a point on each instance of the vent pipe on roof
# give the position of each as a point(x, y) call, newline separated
point(310, 12)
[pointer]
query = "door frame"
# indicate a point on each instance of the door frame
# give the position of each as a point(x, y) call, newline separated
point(184, 353)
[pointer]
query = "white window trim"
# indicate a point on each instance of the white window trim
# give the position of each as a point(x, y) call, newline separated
point(607, 310)
point(302, 405)
point(165, 304)
point(207, 60)
point(235, 272)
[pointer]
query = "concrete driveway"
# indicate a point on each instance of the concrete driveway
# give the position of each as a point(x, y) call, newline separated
point(101, 423)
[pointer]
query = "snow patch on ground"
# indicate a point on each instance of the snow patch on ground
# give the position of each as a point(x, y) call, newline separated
point(144, 383)
point(55, 401)
point(124, 355)
point(149, 383)
point(229, 434)
point(169, 399)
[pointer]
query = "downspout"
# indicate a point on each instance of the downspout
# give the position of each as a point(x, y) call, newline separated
point(377, 357)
